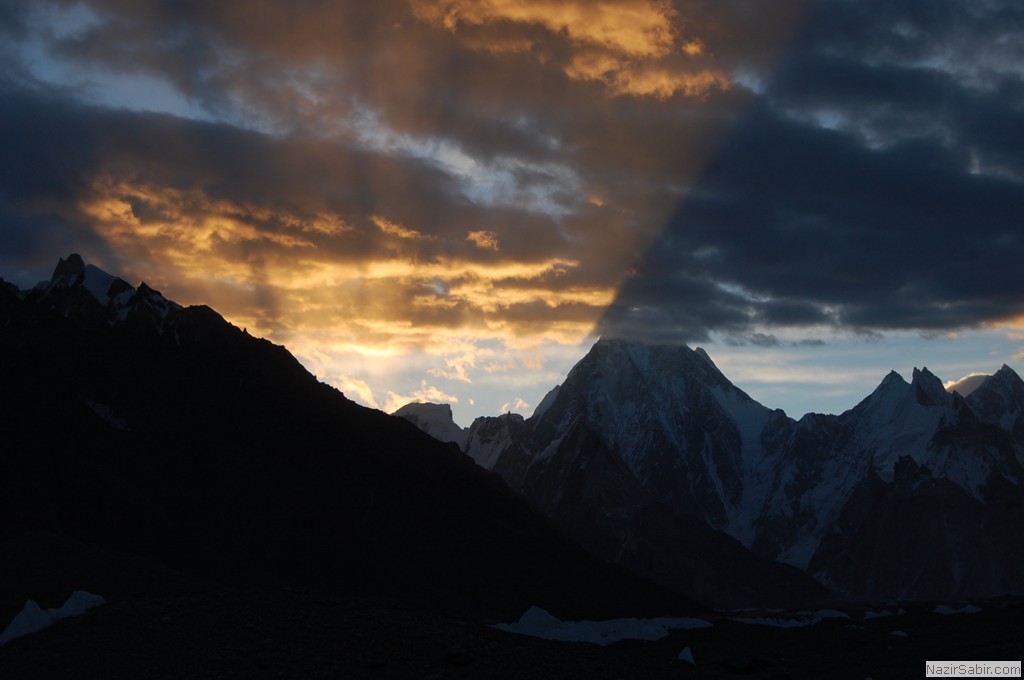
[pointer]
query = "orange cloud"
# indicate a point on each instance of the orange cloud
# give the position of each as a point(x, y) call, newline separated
point(355, 388)
point(395, 229)
point(484, 240)
point(296, 277)
point(644, 80)
point(426, 393)
point(615, 42)
point(518, 406)
point(634, 27)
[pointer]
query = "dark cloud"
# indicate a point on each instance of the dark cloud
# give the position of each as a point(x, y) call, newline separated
point(12, 19)
point(876, 185)
point(755, 339)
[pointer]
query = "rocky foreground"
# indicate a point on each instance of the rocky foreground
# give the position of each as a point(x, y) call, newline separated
point(158, 623)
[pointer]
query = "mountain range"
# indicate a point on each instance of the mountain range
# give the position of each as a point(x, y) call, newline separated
point(646, 483)
point(653, 459)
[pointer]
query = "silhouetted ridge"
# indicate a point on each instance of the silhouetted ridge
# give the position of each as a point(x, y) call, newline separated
point(142, 426)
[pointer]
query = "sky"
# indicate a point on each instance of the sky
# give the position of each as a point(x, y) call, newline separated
point(451, 200)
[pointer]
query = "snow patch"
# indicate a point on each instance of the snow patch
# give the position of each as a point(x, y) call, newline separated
point(32, 619)
point(536, 622)
point(98, 283)
point(797, 620)
point(966, 609)
point(883, 613)
point(687, 656)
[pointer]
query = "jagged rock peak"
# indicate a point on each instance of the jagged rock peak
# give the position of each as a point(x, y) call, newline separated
point(929, 390)
point(69, 268)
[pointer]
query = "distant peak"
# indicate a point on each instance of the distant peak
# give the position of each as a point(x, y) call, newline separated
point(436, 420)
point(425, 407)
point(893, 378)
point(1003, 378)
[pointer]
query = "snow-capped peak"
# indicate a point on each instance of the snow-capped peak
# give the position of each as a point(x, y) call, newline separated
point(1005, 377)
point(1000, 399)
point(436, 420)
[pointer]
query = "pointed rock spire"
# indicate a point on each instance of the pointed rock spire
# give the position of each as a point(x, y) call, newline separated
point(68, 269)
point(928, 389)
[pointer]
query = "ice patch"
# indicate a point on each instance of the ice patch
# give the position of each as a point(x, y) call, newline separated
point(967, 609)
point(797, 620)
point(883, 613)
point(32, 619)
point(536, 622)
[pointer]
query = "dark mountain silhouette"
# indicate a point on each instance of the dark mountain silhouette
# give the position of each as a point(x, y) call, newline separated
point(137, 425)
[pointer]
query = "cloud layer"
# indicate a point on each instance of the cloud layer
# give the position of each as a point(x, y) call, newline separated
point(474, 179)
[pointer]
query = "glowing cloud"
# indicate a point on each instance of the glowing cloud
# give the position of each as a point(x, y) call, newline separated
point(485, 240)
point(356, 389)
point(395, 229)
point(342, 297)
point(633, 27)
point(632, 46)
point(519, 406)
point(426, 393)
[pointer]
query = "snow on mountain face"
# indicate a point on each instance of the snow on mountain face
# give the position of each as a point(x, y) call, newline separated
point(694, 441)
point(436, 420)
point(828, 462)
point(898, 419)
point(689, 436)
point(1000, 400)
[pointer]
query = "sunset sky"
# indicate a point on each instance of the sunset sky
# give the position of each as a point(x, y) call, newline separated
point(450, 200)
